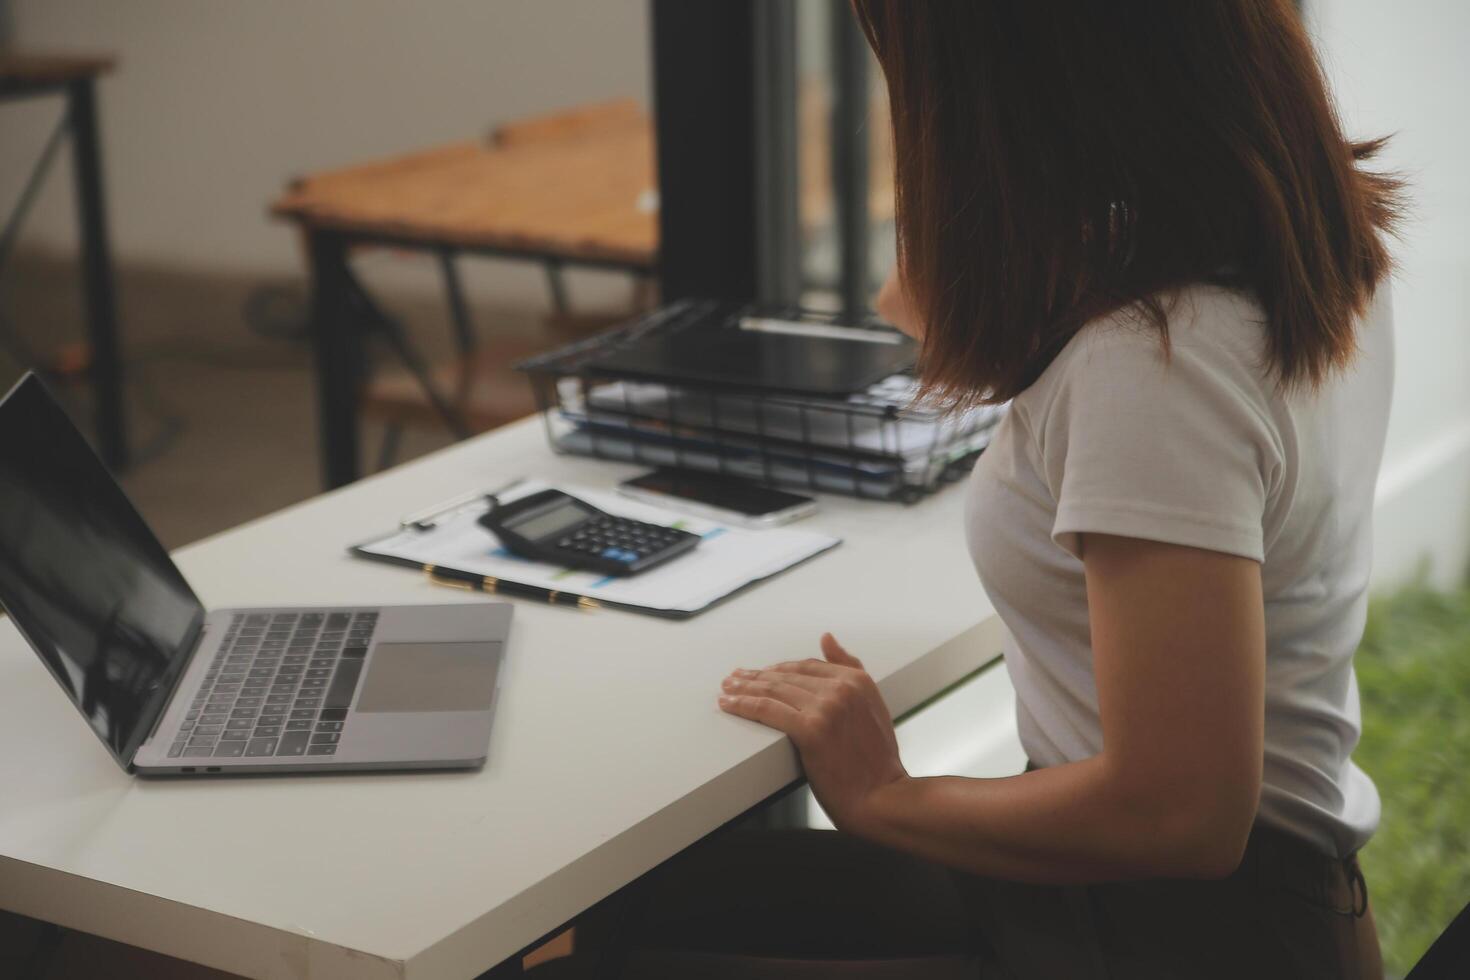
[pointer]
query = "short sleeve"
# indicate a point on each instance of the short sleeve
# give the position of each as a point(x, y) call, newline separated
point(1177, 447)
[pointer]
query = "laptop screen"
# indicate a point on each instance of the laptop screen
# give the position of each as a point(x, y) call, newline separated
point(83, 577)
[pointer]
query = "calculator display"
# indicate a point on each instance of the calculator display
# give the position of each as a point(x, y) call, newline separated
point(552, 521)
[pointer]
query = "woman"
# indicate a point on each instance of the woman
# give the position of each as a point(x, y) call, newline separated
point(1139, 222)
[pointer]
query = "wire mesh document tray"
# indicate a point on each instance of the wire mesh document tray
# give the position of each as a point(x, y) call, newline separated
point(603, 397)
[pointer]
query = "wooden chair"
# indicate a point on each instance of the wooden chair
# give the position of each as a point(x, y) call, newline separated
point(476, 389)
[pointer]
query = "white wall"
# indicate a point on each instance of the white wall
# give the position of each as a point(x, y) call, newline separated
point(1401, 69)
point(216, 104)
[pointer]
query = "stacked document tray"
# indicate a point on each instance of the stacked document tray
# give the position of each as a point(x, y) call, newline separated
point(878, 441)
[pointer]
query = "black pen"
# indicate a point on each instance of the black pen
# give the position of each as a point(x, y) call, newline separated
point(456, 579)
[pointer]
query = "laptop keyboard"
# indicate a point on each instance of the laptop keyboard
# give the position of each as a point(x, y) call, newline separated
point(280, 685)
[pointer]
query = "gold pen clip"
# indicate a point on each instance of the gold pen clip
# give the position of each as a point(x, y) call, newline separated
point(453, 583)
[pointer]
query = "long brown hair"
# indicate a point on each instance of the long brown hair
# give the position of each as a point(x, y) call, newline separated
point(1058, 161)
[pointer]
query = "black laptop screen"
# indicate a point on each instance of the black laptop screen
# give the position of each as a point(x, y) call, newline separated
point(83, 577)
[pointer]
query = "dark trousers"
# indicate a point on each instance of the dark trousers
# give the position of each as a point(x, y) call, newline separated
point(1288, 911)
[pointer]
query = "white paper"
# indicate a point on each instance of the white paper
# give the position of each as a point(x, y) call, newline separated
point(726, 559)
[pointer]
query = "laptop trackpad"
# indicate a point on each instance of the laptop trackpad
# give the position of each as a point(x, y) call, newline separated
point(431, 677)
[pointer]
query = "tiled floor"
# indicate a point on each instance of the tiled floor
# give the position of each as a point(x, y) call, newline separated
point(224, 425)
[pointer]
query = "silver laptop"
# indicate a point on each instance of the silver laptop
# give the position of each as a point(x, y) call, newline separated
point(174, 689)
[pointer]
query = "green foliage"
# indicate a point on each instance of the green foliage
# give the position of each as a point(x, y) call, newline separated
point(1414, 675)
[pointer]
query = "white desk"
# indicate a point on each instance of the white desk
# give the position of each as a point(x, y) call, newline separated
point(608, 754)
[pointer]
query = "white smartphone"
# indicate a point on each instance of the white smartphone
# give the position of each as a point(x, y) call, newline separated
point(721, 498)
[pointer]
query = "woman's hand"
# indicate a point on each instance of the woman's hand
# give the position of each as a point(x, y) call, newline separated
point(833, 712)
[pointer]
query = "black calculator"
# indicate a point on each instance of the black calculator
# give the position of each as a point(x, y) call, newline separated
point(559, 529)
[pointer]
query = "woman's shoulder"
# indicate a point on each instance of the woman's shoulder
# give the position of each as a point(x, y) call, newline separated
point(1206, 327)
point(1201, 315)
point(1213, 348)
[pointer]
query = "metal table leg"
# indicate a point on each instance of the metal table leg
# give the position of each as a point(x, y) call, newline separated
point(557, 283)
point(339, 356)
point(97, 273)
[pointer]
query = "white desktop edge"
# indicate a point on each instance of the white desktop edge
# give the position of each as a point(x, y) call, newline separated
point(254, 948)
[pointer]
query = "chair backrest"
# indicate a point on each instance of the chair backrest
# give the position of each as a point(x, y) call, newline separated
point(1449, 957)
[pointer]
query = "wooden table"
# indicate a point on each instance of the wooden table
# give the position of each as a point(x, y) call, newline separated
point(572, 188)
point(608, 754)
point(30, 74)
point(582, 196)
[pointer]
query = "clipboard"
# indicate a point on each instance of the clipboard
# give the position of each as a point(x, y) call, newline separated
point(449, 543)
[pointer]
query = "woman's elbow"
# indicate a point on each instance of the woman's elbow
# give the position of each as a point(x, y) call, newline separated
point(1212, 836)
point(1218, 857)
point(1194, 832)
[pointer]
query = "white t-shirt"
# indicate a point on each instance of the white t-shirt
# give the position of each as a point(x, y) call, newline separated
point(1198, 448)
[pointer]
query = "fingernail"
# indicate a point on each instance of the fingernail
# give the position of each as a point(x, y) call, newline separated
point(731, 683)
point(726, 701)
point(742, 672)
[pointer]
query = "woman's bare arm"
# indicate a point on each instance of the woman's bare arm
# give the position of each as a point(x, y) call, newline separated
point(1178, 642)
